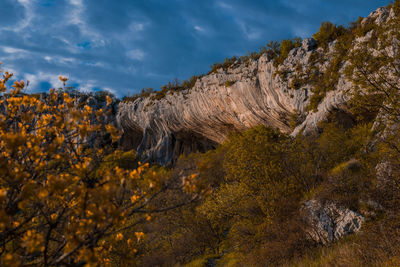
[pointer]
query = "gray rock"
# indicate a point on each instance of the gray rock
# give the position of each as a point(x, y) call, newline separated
point(309, 44)
point(160, 129)
point(328, 223)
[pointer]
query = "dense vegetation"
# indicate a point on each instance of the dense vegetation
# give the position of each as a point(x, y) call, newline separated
point(259, 179)
point(170, 87)
point(334, 42)
point(66, 194)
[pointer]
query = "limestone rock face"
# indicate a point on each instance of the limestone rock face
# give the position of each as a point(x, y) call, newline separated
point(328, 223)
point(161, 129)
point(229, 100)
point(211, 109)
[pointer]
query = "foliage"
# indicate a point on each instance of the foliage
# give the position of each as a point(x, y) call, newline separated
point(228, 63)
point(374, 70)
point(102, 96)
point(255, 183)
point(284, 48)
point(229, 83)
point(328, 33)
point(145, 92)
point(169, 88)
point(322, 79)
point(63, 201)
point(267, 174)
point(325, 79)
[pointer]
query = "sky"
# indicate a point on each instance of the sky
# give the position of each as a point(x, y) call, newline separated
point(125, 45)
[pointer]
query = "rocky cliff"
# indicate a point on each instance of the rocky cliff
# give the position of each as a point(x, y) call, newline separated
point(240, 97)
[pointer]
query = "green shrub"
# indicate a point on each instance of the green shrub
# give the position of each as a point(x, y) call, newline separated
point(328, 32)
point(146, 92)
point(228, 63)
point(229, 83)
point(284, 48)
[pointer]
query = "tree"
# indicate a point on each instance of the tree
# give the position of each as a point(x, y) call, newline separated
point(63, 201)
point(374, 70)
point(327, 33)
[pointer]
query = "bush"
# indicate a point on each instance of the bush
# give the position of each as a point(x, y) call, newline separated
point(327, 33)
point(229, 83)
point(285, 47)
point(63, 201)
point(146, 92)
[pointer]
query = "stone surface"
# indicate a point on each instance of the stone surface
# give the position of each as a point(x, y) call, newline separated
point(328, 223)
point(199, 118)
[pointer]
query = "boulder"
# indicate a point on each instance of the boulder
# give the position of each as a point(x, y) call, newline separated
point(328, 223)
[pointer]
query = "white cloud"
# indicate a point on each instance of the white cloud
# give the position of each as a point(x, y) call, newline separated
point(76, 17)
point(253, 35)
point(74, 2)
point(52, 78)
point(113, 91)
point(136, 26)
point(12, 53)
point(199, 28)
point(13, 50)
point(35, 80)
point(87, 86)
point(28, 6)
point(67, 60)
point(136, 54)
point(77, 12)
point(95, 64)
point(250, 33)
point(59, 60)
point(224, 5)
point(10, 68)
point(28, 15)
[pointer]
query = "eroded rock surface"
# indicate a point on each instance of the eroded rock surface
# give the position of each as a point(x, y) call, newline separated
point(211, 109)
point(328, 223)
point(230, 100)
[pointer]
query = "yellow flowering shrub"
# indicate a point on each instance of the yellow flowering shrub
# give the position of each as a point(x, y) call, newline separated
point(61, 203)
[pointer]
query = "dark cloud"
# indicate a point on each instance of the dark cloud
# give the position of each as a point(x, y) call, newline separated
point(126, 45)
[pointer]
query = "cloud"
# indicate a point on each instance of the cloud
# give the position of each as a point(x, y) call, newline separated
point(136, 54)
point(224, 5)
point(24, 13)
point(35, 79)
point(249, 32)
point(87, 86)
point(199, 28)
point(13, 50)
point(131, 45)
point(28, 6)
point(137, 26)
point(77, 17)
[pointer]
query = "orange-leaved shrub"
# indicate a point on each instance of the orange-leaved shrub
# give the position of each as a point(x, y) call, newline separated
point(62, 200)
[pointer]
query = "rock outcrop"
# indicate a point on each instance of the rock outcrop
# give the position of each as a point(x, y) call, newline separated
point(226, 101)
point(328, 223)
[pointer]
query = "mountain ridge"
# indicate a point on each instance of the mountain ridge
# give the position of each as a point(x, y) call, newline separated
point(233, 99)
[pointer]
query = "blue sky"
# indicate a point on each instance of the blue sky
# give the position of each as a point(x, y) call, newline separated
point(125, 45)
